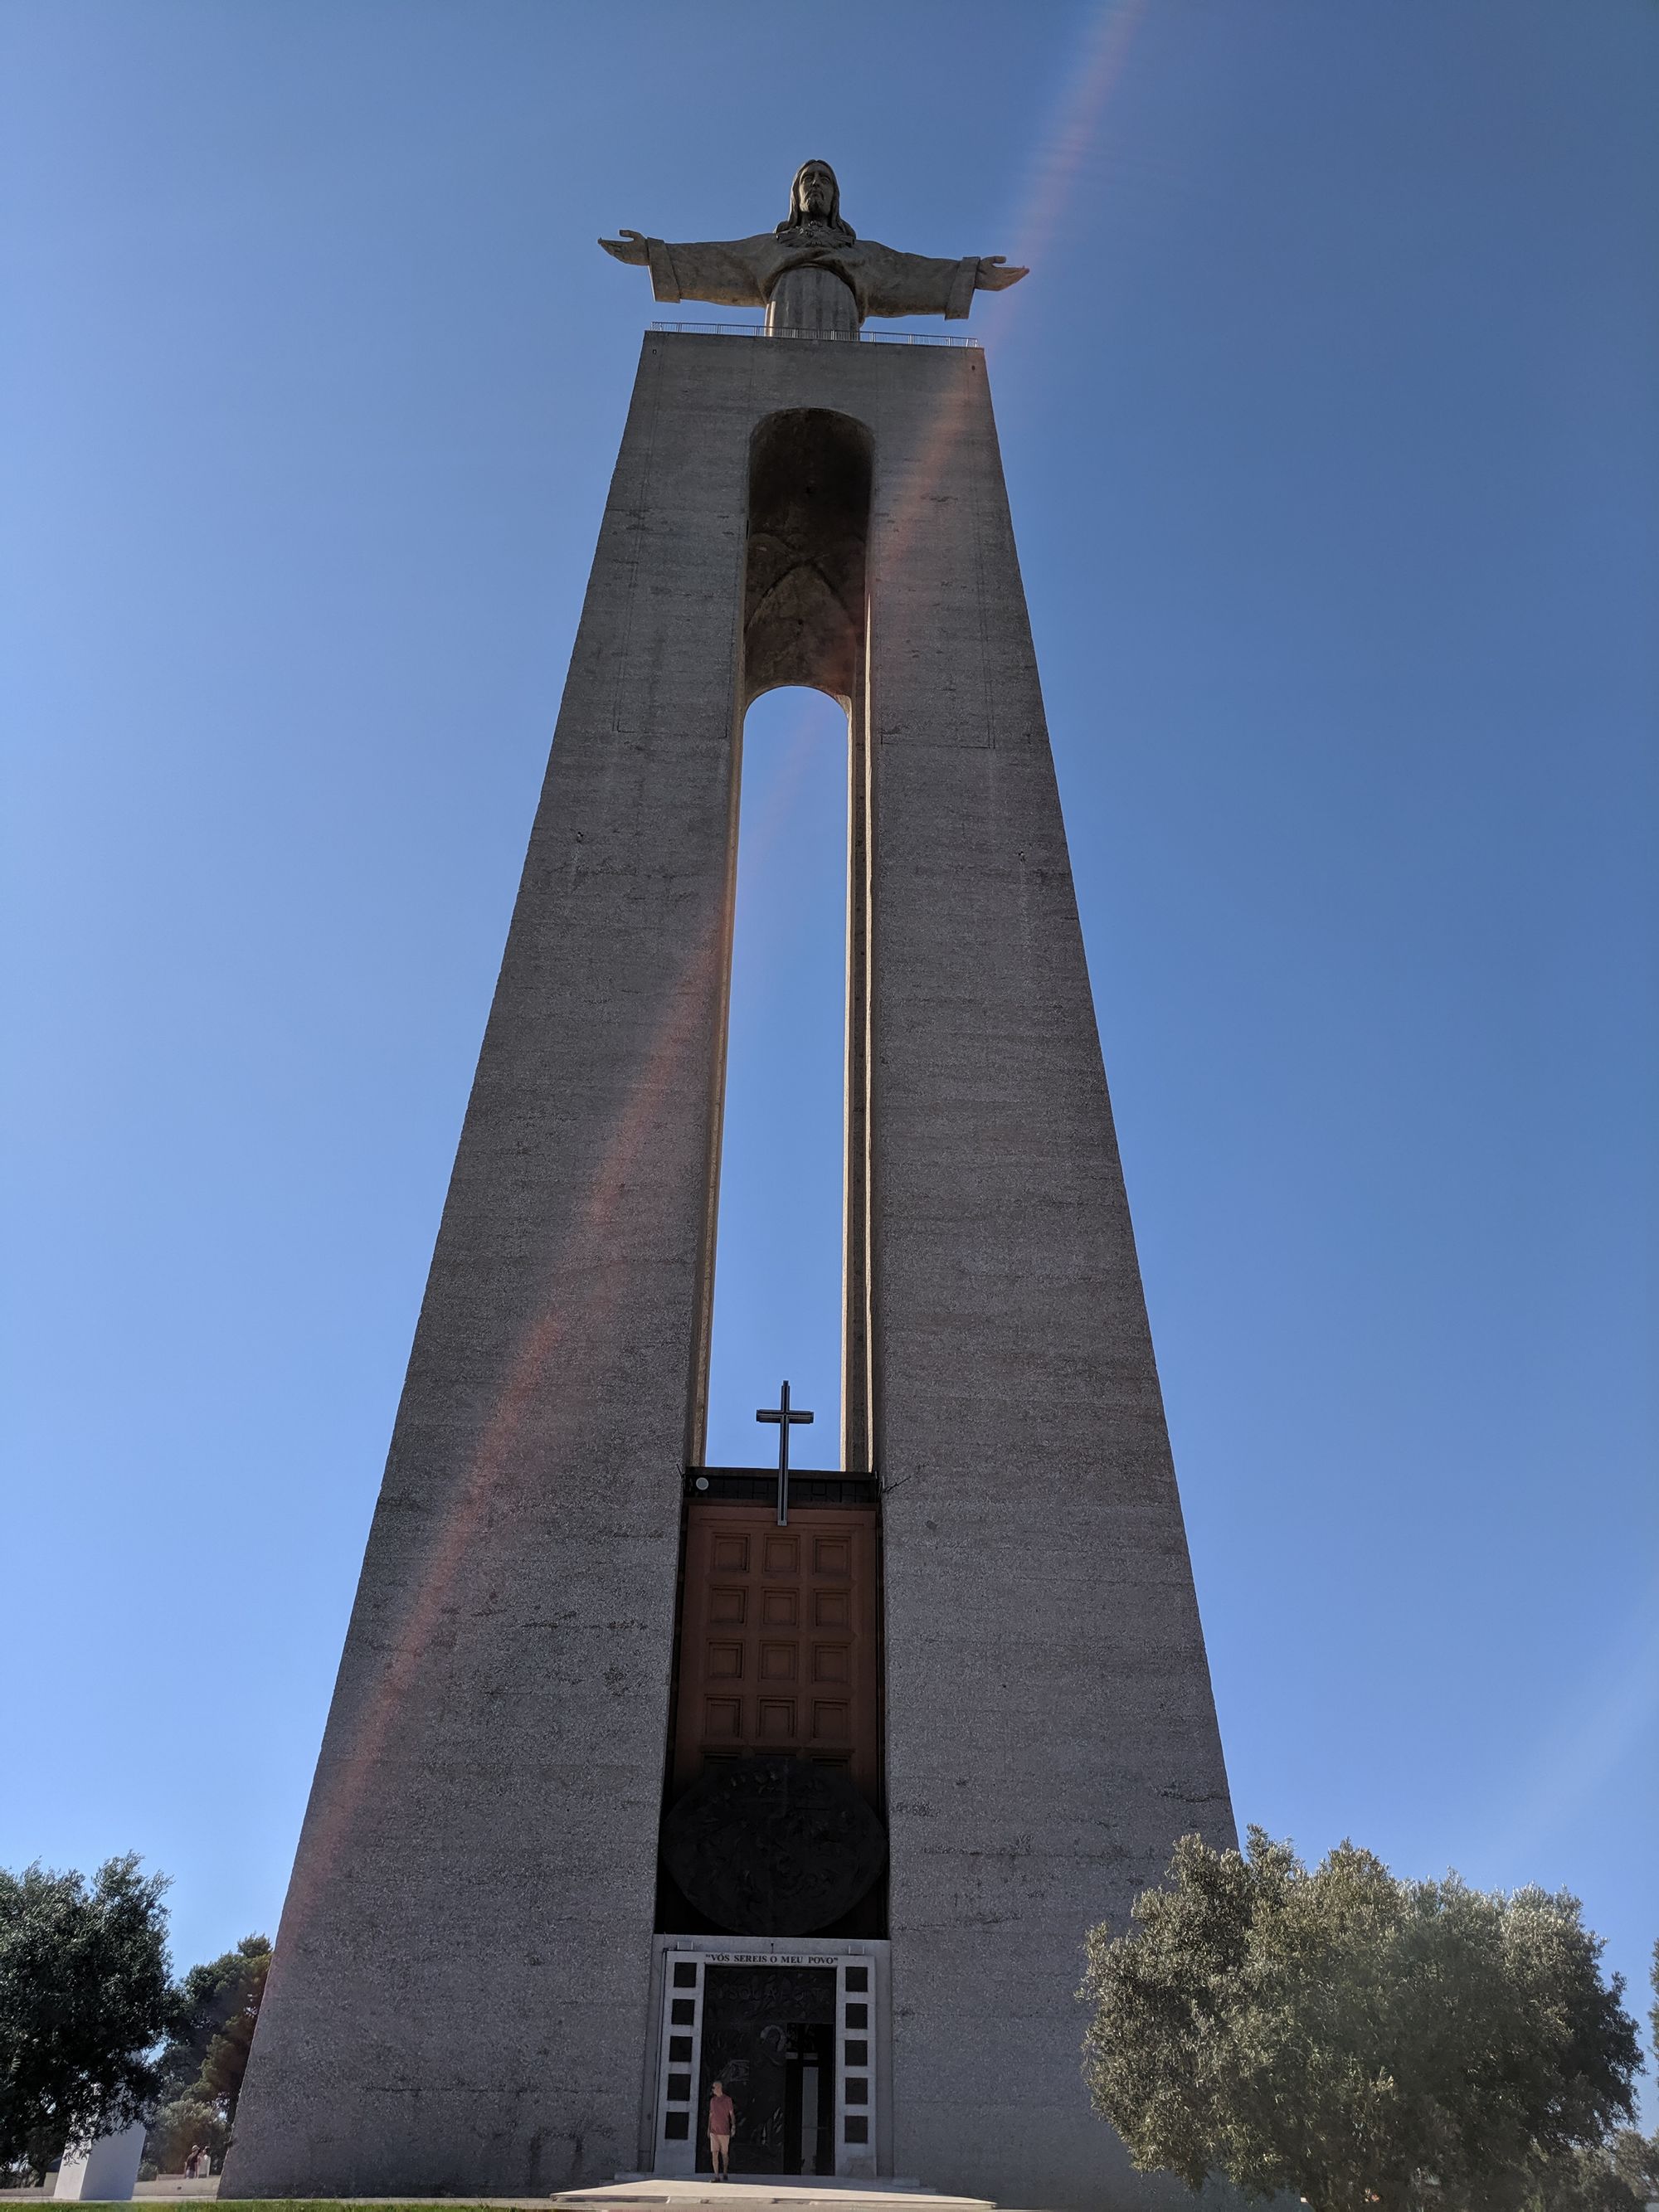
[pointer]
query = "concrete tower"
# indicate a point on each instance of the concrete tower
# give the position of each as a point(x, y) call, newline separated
point(613, 1757)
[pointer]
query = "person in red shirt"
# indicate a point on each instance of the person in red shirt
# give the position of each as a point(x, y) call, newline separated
point(721, 2114)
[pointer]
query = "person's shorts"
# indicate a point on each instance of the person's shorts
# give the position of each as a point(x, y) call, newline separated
point(721, 2144)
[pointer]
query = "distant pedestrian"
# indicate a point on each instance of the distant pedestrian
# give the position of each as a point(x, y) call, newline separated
point(722, 2113)
point(191, 2162)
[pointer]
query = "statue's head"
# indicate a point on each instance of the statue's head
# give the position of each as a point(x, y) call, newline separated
point(815, 197)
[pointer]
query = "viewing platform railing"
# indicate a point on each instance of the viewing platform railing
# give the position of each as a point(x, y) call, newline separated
point(823, 337)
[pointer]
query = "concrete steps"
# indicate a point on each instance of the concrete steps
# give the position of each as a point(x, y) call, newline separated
point(735, 2192)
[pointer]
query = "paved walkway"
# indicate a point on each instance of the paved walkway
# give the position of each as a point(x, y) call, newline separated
point(759, 2191)
point(742, 2193)
point(170, 2185)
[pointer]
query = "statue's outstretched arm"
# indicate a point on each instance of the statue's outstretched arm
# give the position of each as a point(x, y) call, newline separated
point(630, 247)
point(894, 284)
point(993, 275)
point(723, 271)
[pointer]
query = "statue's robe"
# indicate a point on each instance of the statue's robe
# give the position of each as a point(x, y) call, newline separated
point(745, 273)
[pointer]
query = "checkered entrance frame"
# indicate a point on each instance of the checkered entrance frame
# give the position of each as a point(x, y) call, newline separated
point(681, 1964)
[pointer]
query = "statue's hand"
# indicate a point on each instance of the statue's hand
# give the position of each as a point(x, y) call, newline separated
point(995, 276)
point(631, 248)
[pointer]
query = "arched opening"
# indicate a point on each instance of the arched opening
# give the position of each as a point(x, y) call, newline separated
point(789, 1282)
point(809, 518)
point(773, 1791)
point(778, 1267)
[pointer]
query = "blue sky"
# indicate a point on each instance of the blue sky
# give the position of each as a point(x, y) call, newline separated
point(1329, 416)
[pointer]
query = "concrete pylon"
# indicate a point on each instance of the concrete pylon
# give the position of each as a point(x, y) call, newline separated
point(462, 1997)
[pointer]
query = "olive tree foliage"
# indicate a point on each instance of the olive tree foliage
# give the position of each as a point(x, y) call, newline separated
point(85, 1997)
point(1355, 2041)
point(203, 2066)
point(1621, 2175)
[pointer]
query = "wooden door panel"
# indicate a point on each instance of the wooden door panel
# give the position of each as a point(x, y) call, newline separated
point(779, 1645)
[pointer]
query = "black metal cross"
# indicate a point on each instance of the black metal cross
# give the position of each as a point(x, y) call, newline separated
point(786, 1418)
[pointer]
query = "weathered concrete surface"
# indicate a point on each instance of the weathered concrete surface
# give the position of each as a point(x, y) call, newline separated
point(457, 2001)
point(460, 1994)
point(1050, 1725)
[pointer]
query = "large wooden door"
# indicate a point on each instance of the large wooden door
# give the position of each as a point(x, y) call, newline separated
point(779, 1640)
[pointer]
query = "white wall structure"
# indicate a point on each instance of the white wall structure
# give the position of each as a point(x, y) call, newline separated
point(106, 2171)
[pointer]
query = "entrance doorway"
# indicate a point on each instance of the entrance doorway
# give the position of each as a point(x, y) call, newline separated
point(768, 2038)
point(794, 2028)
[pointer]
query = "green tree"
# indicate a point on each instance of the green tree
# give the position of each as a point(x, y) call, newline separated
point(1352, 2039)
point(1621, 2175)
point(203, 2066)
point(85, 1997)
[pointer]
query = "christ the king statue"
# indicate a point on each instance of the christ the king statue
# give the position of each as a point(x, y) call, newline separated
point(813, 274)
